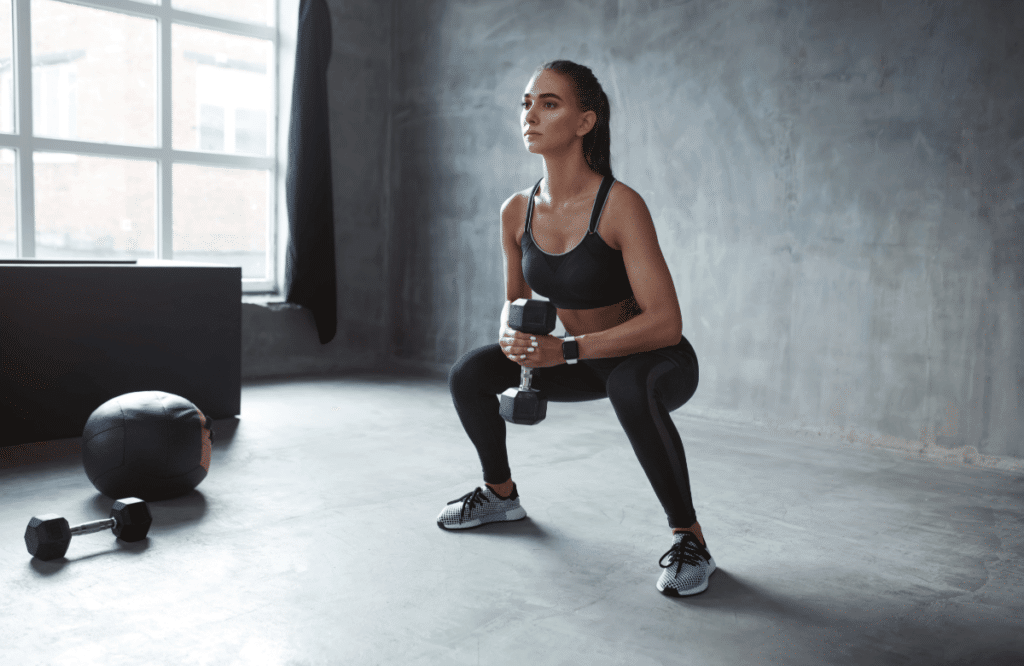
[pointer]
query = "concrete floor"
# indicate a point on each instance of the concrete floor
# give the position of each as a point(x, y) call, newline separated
point(313, 541)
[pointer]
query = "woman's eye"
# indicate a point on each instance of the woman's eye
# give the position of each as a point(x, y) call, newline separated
point(547, 105)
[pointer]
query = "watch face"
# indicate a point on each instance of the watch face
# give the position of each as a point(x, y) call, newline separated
point(570, 350)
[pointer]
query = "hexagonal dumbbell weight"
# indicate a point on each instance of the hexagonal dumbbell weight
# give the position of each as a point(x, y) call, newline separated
point(525, 405)
point(47, 537)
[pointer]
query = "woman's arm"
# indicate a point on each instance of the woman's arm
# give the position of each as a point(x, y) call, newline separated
point(660, 323)
point(513, 214)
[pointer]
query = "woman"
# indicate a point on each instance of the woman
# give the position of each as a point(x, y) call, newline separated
point(588, 243)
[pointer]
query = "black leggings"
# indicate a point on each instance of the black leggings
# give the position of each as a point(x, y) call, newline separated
point(643, 388)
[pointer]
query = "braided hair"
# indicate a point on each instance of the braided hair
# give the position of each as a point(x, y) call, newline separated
point(590, 97)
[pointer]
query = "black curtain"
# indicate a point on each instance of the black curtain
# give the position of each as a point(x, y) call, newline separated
point(310, 279)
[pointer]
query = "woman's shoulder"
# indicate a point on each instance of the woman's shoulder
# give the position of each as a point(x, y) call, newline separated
point(624, 196)
point(624, 209)
point(625, 202)
point(515, 206)
point(513, 216)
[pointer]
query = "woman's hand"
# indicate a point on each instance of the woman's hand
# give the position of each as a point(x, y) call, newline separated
point(531, 350)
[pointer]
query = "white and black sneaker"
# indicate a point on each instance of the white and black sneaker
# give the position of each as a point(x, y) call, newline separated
point(480, 506)
point(688, 569)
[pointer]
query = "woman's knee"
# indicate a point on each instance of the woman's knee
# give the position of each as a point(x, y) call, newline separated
point(468, 365)
point(627, 385)
point(475, 367)
point(633, 383)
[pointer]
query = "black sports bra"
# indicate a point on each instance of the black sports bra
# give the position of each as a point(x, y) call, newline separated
point(591, 275)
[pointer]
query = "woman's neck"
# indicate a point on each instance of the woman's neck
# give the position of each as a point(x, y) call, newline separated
point(567, 179)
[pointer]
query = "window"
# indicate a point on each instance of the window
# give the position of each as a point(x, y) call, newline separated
point(140, 129)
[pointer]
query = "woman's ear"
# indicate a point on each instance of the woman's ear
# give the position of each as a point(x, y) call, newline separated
point(587, 122)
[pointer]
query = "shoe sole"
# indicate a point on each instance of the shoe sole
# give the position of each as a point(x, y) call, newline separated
point(673, 592)
point(510, 516)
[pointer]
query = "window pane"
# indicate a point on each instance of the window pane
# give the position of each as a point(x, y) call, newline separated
point(211, 127)
point(250, 131)
point(94, 207)
point(8, 206)
point(220, 216)
point(222, 96)
point(6, 69)
point(253, 11)
point(93, 74)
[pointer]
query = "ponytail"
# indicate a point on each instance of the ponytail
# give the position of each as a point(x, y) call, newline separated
point(590, 97)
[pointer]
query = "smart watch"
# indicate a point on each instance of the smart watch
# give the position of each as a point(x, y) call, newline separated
point(570, 349)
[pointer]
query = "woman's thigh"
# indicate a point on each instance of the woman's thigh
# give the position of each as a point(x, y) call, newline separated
point(576, 382)
point(673, 385)
point(488, 370)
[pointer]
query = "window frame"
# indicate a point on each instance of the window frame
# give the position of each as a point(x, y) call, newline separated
point(163, 153)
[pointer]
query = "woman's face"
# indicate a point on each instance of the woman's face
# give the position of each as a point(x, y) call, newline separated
point(551, 118)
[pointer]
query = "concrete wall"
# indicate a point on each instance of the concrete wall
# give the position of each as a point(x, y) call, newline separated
point(838, 192)
point(837, 188)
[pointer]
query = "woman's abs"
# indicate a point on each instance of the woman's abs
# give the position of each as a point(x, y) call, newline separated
point(581, 322)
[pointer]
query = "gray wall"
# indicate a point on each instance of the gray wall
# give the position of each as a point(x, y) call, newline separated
point(837, 188)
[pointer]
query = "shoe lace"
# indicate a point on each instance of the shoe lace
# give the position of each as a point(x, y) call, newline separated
point(685, 551)
point(475, 498)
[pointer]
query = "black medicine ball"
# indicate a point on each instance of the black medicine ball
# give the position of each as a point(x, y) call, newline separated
point(148, 444)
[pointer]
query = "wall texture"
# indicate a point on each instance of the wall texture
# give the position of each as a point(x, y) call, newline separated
point(837, 187)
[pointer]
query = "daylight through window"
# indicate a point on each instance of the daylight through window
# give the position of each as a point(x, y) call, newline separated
point(133, 129)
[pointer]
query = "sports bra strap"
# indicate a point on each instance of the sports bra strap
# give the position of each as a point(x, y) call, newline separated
point(529, 208)
point(602, 196)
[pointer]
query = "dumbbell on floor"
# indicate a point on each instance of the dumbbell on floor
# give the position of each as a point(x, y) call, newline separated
point(47, 537)
point(525, 405)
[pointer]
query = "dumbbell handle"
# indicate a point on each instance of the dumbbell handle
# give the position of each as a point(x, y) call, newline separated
point(93, 526)
point(525, 378)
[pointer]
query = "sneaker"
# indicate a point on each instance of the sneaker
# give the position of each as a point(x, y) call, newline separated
point(480, 506)
point(688, 569)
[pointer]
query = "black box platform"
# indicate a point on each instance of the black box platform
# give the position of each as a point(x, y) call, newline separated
point(76, 334)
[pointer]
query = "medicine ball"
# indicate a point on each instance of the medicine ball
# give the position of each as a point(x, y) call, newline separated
point(148, 444)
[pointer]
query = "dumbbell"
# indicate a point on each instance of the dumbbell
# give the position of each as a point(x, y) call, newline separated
point(525, 405)
point(48, 536)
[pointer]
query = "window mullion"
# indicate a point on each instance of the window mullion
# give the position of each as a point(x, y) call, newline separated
point(273, 233)
point(165, 169)
point(26, 225)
